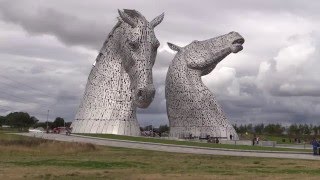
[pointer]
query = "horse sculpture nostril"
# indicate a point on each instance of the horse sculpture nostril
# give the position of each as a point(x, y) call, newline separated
point(145, 94)
point(139, 94)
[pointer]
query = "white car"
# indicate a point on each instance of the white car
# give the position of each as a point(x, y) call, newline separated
point(36, 131)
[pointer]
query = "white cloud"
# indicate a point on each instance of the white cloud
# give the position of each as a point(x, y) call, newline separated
point(223, 80)
point(296, 54)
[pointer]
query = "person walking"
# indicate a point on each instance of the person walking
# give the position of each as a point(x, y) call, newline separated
point(253, 141)
point(315, 146)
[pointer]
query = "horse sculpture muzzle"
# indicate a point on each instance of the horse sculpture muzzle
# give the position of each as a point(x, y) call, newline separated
point(237, 42)
point(145, 95)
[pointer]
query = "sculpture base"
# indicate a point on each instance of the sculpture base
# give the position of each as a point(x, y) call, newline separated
point(203, 132)
point(126, 128)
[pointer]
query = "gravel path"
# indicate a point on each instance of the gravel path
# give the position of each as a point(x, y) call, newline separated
point(172, 148)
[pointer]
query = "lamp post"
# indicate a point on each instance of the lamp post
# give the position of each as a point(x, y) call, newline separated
point(47, 120)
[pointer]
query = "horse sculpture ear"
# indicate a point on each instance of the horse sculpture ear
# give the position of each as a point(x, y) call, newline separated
point(126, 18)
point(157, 20)
point(174, 47)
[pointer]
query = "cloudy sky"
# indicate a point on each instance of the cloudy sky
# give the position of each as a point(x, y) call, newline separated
point(47, 49)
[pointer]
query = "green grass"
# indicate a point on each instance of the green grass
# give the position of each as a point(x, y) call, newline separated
point(46, 159)
point(279, 138)
point(190, 143)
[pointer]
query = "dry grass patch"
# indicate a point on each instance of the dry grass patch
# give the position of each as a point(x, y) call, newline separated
point(46, 159)
point(18, 144)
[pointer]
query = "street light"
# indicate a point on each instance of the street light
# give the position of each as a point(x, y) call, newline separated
point(47, 120)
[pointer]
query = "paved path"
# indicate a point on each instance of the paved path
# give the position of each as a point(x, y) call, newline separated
point(172, 148)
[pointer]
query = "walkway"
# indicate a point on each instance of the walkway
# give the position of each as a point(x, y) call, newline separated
point(172, 148)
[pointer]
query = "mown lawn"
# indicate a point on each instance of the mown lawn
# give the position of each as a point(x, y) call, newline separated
point(190, 143)
point(30, 158)
point(281, 139)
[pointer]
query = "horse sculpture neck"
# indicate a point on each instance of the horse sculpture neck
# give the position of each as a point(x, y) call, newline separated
point(110, 85)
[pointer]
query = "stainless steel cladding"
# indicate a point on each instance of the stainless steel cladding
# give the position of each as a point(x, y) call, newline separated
point(121, 79)
point(192, 109)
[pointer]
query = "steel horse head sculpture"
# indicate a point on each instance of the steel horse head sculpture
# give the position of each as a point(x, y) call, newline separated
point(192, 109)
point(121, 78)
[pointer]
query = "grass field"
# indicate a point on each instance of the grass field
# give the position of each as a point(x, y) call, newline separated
point(30, 158)
point(190, 143)
point(280, 139)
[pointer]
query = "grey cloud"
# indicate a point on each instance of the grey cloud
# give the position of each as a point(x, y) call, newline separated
point(60, 72)
point(67, 28)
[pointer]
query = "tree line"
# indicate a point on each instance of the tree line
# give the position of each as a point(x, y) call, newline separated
point(161, 129)
point(23, 121)
point(278, 129)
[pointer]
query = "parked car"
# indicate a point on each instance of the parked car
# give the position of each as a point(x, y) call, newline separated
point(59, 130)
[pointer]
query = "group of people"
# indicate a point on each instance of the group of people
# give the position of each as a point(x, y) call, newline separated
point(255, 140)
point(315, 145)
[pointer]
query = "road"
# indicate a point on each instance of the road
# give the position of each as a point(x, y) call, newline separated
point(172, 148)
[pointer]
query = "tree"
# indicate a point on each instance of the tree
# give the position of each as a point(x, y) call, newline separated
point(259, 128)
point(147, 128)
point(163, 128)
point(301, 129)
point(20, 120)
point(34, 119)
point(40, 124)
point(306, 129)
point(68, 124)
point(58, 122)
point(294, 130)
point(2, 120)
point(315, 130)
point(274, 129)
point(242, 129)
point(249, 128)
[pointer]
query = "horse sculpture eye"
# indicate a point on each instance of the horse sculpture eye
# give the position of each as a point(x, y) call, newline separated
point(133, 46)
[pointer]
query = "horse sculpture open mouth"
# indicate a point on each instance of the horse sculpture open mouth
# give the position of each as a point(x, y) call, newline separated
point(237, 45)
point(238, 41)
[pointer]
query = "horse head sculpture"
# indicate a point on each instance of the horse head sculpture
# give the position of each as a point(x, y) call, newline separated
point(139, 49)
point(121, 79)
point(191, 107)
point(205, 55)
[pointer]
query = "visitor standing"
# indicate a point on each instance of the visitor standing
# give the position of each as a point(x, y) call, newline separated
point(315, 146)
point(253, 141)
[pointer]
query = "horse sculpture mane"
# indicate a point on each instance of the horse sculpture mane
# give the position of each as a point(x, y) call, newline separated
point(192, 109)
point(121, 78)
